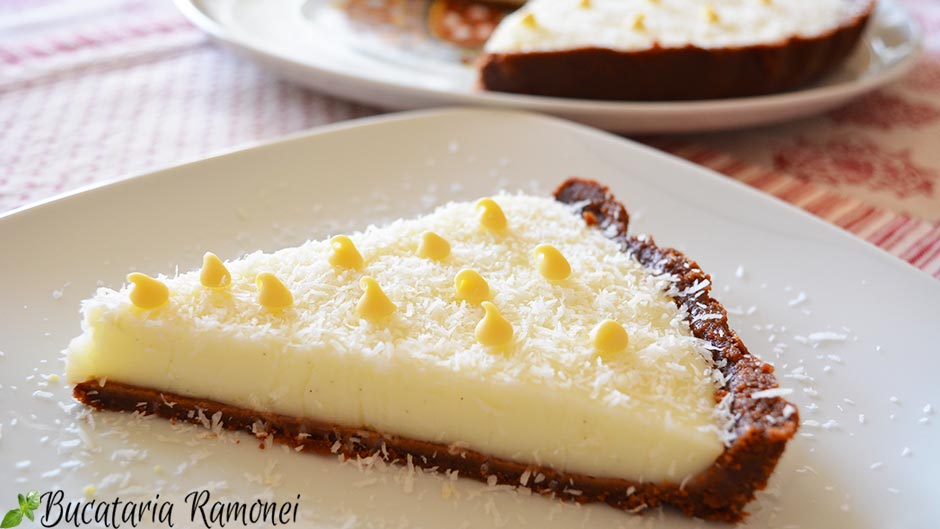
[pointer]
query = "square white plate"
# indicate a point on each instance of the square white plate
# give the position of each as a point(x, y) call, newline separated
point(851, 329)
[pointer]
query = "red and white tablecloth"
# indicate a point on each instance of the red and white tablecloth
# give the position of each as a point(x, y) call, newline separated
point(94, 90)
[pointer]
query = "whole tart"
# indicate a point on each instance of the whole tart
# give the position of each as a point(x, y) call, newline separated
point(519, 339)
point(669, 49)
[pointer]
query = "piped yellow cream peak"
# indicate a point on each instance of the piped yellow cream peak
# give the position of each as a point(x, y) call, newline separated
point(272, 293)
point(433, 246)
point(147, 292)
point(610, 338)
point(470, 286)
point(529, 21)
point(552, 264)
point(344, 253)
point(711, 15)
point(374, 303)
point(214, 274)
point(491, 215)
point(639, 22)
point(493, 330)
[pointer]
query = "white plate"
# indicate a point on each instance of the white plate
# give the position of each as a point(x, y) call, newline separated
point(348, 176)
point(312, 43)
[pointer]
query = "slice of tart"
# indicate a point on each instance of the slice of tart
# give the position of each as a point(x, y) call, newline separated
point(524, 338)
point(669, 49)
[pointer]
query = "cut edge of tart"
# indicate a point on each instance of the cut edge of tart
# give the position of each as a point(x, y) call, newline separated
point(701, 430)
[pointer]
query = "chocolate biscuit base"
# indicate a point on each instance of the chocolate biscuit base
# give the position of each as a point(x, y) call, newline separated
point(672, 74)
point(762, 426)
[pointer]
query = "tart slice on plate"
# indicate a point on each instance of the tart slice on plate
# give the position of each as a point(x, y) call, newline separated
point(669, 49)
point(519, 338)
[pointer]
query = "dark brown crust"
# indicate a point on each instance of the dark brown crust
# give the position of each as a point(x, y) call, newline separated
point(671, 74)
point(762, 428)
point(719, 493)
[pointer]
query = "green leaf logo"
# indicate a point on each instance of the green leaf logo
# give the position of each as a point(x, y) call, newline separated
point(27, 504)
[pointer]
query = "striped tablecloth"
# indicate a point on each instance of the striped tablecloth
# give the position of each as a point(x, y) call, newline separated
point(93, 90)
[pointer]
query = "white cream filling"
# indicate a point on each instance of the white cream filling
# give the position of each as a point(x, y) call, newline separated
point(648, 414)
point(612, 24)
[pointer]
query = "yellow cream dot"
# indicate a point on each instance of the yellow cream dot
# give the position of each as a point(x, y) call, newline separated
point(529, 21)
point(586, 4)
point(272, 293)
point(552, 264)
point(711, 15)
point(53, 378)
point(147, 292)
point(493, 330)
point(491, 216)
point(639, 23)
point(344, 254)
point(214, 274)
point(610, 338)
point(470, 286)
point(89, 490)
point(433, 246)
point(374, 304)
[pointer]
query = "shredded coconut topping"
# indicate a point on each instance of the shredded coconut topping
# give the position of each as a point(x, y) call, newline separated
point(665, 371)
